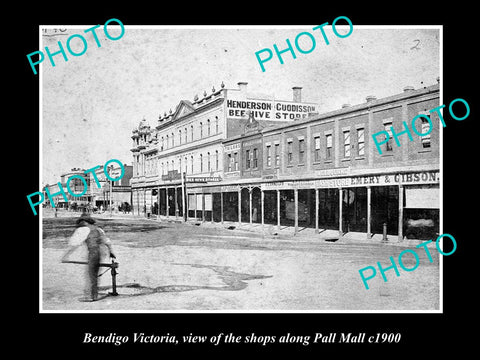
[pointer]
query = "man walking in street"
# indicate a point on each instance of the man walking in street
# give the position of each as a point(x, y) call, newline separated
point(94, 238)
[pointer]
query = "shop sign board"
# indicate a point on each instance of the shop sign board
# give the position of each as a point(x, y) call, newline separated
point(408, 178)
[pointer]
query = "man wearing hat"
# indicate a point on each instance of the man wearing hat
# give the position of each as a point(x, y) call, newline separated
point(94, 237)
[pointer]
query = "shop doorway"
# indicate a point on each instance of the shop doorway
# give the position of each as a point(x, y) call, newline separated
point(270, 206)
point(328, 208)
point(163, 201)
point(306, 208)
point(230, 206)
point(385, 209)
point(217, 207)
point(354, 209)
point(171, 201)
point(287, 208)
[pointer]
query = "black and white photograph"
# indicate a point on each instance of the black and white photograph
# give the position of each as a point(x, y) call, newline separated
point(242, 189)
point(299, 185)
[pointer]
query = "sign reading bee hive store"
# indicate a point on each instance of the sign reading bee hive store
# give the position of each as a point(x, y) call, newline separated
point(269, 110)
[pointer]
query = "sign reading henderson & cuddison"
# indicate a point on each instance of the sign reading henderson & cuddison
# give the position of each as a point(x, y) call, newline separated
point(269, 109)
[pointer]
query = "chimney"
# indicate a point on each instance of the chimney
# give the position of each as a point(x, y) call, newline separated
point(297, 94)
point(346, 106)
point(408, 88)
point(242, 86)
point(370, 98)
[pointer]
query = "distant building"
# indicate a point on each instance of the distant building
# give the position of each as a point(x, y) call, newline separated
point(121, 190)
point(94, 196)
point(76, 186)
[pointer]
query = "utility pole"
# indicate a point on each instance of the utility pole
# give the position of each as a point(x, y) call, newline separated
point(110, 168)
point(184, 195)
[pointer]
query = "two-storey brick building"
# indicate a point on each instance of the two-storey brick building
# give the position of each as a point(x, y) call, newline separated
point(326, 172)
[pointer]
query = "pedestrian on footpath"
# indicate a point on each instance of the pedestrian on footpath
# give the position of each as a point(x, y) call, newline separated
point(94, 238)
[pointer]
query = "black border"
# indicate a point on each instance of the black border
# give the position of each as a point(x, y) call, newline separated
point(62, 334)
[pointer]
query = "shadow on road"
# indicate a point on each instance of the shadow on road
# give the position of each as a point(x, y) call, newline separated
point(233, 281)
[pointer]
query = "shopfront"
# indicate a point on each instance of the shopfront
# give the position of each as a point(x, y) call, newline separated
point(406, 204)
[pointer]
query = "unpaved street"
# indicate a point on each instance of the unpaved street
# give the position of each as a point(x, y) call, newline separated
point(168, 266)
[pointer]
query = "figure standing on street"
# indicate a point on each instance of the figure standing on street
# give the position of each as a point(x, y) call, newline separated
point(94, 238)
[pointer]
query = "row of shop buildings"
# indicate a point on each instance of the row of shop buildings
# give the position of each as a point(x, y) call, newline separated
point(230, 156)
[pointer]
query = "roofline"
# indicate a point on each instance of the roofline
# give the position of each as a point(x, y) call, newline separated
point(359, 107)
point(197, 111)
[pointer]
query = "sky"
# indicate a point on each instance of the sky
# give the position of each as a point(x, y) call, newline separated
point(91, 103)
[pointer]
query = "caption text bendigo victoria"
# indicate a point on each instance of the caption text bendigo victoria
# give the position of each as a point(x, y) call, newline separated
point(304, 43)
point(253, 338)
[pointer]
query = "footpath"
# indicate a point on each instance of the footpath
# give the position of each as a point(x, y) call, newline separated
point(270, 230)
